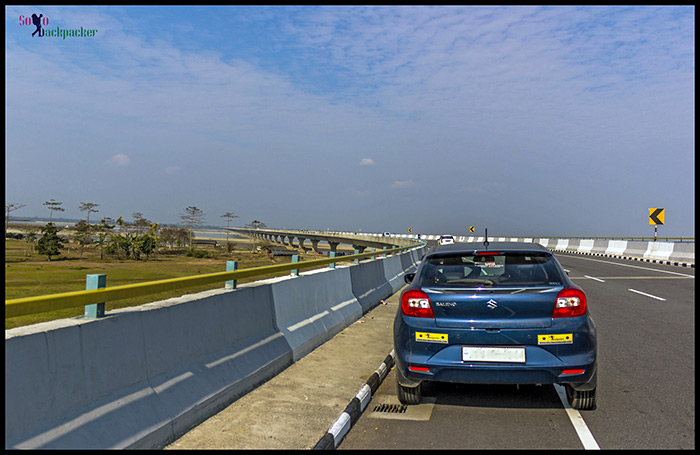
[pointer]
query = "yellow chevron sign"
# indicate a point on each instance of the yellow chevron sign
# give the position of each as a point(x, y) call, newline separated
point(656, 216)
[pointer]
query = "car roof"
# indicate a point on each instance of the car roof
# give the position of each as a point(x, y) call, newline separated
point(470, 247)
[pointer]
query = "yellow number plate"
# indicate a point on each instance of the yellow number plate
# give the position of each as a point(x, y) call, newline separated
point(561, 338)
point(431, 337)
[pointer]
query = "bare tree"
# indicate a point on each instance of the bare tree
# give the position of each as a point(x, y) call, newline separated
point(140, 224)
point(88, 207)
point(8, 209)
point(229, 216)
point(53, 206)
point(255, 224)
point(192, 217)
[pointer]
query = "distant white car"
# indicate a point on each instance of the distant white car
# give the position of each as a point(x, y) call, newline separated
point(446, 240)
point(387, 234)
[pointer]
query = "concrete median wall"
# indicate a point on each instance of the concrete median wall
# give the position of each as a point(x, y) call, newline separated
point(313, 307)
point(142, 376)
point(393, 272)
point(369, 284)
point(677, 253)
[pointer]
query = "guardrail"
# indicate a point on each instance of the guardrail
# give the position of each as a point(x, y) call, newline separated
point(41, 304)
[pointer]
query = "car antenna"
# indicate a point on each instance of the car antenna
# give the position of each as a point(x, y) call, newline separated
point(486, 238)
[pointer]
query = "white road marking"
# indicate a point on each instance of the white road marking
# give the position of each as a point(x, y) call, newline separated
point(594, 278)
point(648, 295)
point(584, 434)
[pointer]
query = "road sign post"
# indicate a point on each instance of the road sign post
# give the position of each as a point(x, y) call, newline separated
point(656, 216)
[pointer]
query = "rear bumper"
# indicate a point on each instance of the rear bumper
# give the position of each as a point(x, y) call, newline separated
point(498, 374)
point(545, 364)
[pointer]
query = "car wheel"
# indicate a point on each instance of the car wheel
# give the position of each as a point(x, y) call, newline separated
point(409, 395)
point(580, 399)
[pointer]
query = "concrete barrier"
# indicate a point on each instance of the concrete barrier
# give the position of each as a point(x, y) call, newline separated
point(599, 246)
point(683, 252)
point(616, 247)
point(313, 307)
point(636, 249)
point(369, 284)
point(659, 250)
point(574, 244)
point(586, 246)
point(139, 376)
point(393, 272)
point(408, 262)
point(678, 253)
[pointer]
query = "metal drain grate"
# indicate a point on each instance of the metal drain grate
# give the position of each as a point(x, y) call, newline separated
point(391, 408)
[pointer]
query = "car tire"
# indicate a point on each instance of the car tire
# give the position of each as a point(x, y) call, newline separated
point(409, 395)
point(580, 399)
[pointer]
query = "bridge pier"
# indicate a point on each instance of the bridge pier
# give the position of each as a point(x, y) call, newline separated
point(359, 248)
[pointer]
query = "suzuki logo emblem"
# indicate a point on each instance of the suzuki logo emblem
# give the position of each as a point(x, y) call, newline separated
point(492, 304)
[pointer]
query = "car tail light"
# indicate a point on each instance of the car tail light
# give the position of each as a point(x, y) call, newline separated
point(570, 302)
point(416, 303)
point(419, 369)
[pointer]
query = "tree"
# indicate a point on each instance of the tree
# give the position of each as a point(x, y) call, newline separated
point(255, 224)
point(140, 224)
point(8, 209)
point(173, 235)
point(50, 243)
point(88, 207)
point(192, 217)
point(53, 206)
point(82, 235)
point(103, 230)
point(229, 216)
point(30, 236)
point(146, 244)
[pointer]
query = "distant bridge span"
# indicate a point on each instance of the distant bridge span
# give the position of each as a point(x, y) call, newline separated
point(287, 236)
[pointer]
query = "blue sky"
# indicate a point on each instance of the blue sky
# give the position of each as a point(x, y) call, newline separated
point(524, 120)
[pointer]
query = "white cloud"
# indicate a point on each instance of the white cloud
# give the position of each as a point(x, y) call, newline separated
point(120, 159)
point(366, 162)
point(403, 184)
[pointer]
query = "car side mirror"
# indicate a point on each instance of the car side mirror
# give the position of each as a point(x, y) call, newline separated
point(409, 277)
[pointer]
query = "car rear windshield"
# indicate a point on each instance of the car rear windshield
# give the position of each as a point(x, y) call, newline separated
point(481, 269)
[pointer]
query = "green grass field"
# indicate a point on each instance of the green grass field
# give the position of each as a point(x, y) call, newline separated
point(28, 275)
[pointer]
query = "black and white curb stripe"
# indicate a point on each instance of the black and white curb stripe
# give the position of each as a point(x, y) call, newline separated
point(352, 412)
point(633, 258)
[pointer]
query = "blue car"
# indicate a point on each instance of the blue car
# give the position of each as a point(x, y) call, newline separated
point(494, 313)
